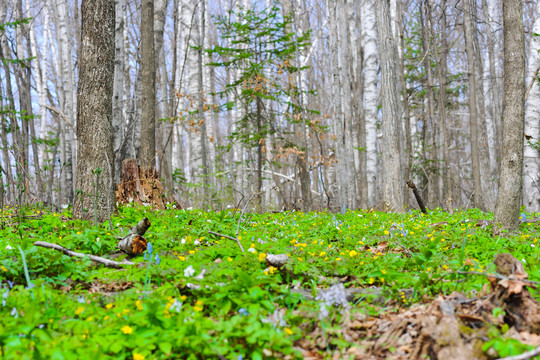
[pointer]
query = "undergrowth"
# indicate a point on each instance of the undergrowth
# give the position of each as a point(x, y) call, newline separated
point(239, 307)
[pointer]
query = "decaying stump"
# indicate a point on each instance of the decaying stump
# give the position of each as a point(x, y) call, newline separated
point(512, 296)
point(140, 185)
point(134, 243)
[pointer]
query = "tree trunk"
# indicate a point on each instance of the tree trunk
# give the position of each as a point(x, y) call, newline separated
point(68, 93)
point(510, 183)
point(429, 126)
point(147, 155)
point(473, 109)
point(393, 181)
point(370, 67)
point(531, 165)
point(119, 100)
point(94, 112)
point(443, 70)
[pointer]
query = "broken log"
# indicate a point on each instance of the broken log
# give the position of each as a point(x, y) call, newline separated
point(134, 243)
point(417, 196)
point(98, 259)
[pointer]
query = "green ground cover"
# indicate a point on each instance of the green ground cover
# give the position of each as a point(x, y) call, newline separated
point(239, 307)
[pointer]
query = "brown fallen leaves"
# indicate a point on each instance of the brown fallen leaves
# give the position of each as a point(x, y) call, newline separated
point(449, 327)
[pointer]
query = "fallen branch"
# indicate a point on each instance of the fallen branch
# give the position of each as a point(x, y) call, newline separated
point(417, 196)
point(227, 237)
point(496, 276)
point(524, 356)
point(134, 243)
point(98, 259)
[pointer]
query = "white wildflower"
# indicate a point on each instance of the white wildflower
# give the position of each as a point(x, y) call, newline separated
point(176, 306)
point(189, 271)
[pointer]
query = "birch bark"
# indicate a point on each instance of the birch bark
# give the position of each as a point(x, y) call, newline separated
point(531, 165)
point(68, 89)
point(119, 101)
point(369, 39)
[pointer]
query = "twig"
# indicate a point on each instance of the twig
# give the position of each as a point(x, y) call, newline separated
point(404, 248)
point(497, 276)
point(109, 191)
point(524, 356)
point(106, 262)
point(417, 196)
point(227, 237)
point(242, 214)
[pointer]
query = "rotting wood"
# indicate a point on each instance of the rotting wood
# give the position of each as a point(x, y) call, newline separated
point(417, 196)
point(142, 186)
point(98, 259)
point(134, 243)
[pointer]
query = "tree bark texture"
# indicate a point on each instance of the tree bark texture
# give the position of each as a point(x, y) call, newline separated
point(94, 112)
point(509, 197)
point(531, 161)
point(473, 110)
point(147, 155)
point(370, 66)
point(391, 111)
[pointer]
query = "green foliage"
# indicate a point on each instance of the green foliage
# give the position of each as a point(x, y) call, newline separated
point(233, 310)
point(263, 48)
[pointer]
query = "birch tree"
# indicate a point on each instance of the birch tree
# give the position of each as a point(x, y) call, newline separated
point(68, 93)
point(531, 168)
point(119, 94)
point(369, 38)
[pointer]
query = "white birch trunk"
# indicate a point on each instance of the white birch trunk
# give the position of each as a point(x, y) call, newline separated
point(118, 104)
point(370, 96)
point(68, 89)
point(531, 166)
point(190, 34)
point(41, 76)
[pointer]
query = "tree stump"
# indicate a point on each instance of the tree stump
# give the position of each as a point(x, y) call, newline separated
point(141, 185)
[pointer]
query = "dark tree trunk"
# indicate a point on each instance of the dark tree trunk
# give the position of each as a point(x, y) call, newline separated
point(95, 193)
point(147, 155)
point(510, 182)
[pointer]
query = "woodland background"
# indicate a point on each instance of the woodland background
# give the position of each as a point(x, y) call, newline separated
point(277, 100)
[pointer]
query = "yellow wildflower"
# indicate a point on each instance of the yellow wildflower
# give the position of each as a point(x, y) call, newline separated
point(137, 356)
point(288, 331)
point(126, 329)
point(79, 310)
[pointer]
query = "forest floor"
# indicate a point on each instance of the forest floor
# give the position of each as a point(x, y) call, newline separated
point(230, 285)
